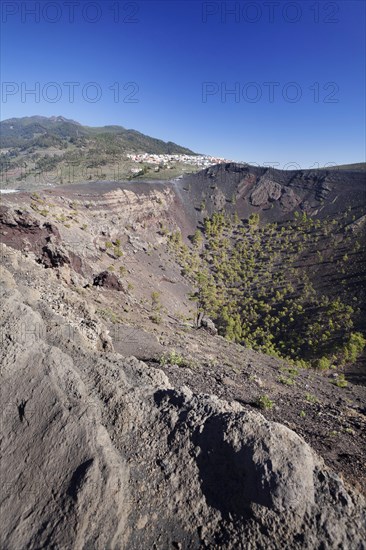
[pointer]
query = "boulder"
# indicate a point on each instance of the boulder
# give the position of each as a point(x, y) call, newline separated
point(206, 323)
point(109, 280)
point(54, 254)
point(209, 326)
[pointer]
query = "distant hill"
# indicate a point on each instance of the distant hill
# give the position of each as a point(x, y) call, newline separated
point(41, 150)
point(39, 131)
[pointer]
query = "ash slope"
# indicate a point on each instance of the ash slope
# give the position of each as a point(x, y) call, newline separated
point(98, 447)
point(275, 193)
point(101, 451)
point(332, 259)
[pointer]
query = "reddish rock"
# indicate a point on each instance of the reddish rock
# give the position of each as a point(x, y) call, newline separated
point(107, 280)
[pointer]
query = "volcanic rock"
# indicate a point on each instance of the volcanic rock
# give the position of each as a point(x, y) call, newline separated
point(266, 190)
point(109, 280)
point(101, 451)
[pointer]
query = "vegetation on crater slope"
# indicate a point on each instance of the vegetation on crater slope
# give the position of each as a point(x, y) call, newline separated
point(288, 289)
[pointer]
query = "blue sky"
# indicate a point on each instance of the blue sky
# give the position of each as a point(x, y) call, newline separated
point(174, 63)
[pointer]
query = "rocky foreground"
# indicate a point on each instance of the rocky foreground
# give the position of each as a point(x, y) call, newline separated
point(100, 451)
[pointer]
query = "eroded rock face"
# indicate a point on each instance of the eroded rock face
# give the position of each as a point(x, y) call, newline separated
point(100, 451)
point(289, 199)
point(54, 255)
point(140, 210)
point(24, 232)
point(266, 190)
point(219, 199)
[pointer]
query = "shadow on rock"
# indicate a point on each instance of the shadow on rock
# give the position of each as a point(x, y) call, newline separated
point(231, 480)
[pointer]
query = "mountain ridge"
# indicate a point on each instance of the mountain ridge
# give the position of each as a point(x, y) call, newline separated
point(26, 128)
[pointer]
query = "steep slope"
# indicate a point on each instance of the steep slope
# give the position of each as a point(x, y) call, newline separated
point(97, 446)
point(277, 194)
point(117, 246)
point(97, 449)
point(279, 257)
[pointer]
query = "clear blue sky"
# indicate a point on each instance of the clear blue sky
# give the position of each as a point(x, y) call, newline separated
point(182, 57)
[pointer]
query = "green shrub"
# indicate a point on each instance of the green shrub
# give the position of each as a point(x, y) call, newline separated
point(253, 220)
point(197, 238)
point(248, 279)
point(323, 363)
point(174, 358)
point(264, 402)
point(286, 380)
point(311, 398)
point(156, 318)
point(341, 381)
point(354, 347)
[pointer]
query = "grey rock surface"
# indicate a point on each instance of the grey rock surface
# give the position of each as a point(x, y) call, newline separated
point(205, 322)
point(100, 451)
point(289, 199)
point(265, 190)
